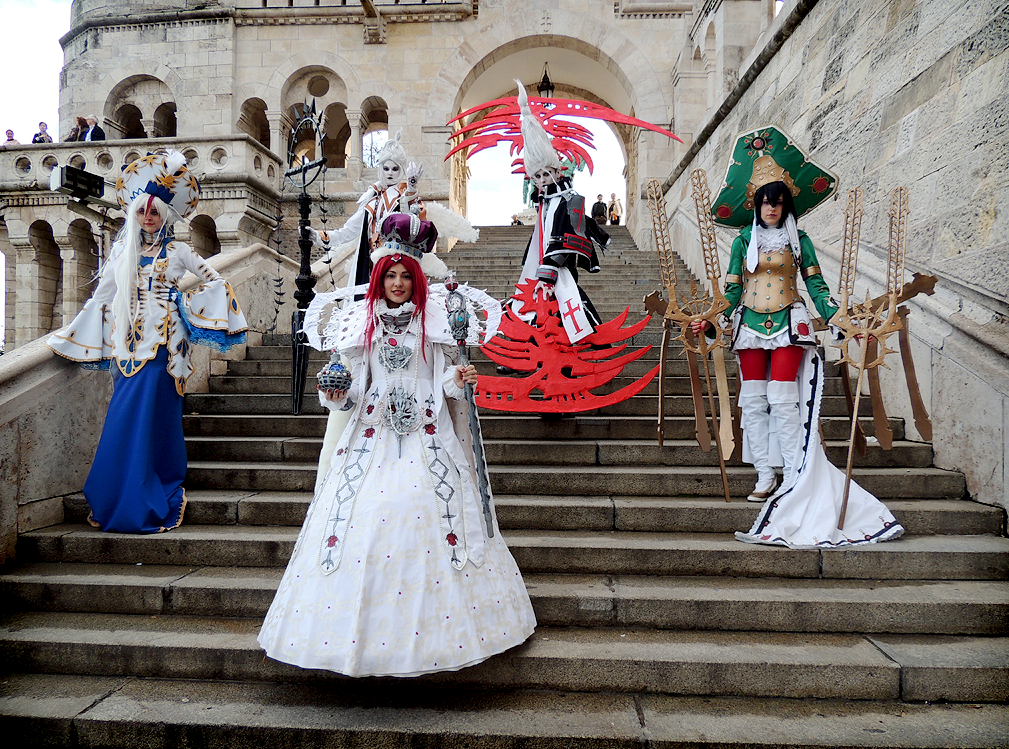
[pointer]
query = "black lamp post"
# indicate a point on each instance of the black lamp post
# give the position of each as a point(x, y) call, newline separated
point(301, 175)
point(545, 87)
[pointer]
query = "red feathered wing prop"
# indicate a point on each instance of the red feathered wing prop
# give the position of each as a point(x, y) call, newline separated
point(561, 376)
point(502, 122)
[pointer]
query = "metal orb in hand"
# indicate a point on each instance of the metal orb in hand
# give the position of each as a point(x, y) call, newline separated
point(334, 376)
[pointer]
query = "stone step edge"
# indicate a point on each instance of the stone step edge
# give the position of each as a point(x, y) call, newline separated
point(878, 667)
point(764, 604)
point(111, 711)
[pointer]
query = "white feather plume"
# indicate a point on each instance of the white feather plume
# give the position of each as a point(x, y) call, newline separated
point(450, 223)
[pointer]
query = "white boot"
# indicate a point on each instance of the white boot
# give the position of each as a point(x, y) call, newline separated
point(755, 421)
point(783, 398)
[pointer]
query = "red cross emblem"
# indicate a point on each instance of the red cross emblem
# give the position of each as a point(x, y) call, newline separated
point(571, 313)
point(580, 213)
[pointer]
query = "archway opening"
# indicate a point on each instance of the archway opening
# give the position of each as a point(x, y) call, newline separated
point(165, 121)
point(48, 278)
point(128, 122)
point(485, 187)
point(203, 236)
point(253, 122)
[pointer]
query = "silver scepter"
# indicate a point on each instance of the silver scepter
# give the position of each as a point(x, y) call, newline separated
point(458, 321)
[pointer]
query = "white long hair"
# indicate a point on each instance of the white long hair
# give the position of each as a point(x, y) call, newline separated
point(125, 262)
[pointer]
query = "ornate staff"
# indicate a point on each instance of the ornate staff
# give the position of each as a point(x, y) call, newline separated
point(458, 320)
point(684, 310)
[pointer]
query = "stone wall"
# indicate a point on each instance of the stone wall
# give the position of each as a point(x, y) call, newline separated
point(888, 93)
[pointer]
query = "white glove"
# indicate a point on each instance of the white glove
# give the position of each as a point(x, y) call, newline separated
point(413, 175)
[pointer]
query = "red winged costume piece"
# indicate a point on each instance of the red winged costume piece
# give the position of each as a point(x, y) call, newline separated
point(551, 331)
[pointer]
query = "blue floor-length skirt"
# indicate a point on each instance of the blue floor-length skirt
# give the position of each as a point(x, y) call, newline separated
point(135, 483)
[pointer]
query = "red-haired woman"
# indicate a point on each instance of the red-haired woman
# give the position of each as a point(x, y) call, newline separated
point(395, 572)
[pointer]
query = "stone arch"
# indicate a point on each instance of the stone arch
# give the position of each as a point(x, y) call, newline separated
point(142, 93)
point(252, 120)
point(323, 84)
point(646, 96)
point(314, 59)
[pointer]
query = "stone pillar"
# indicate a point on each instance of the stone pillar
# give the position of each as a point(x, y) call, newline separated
point(10, 288)
point(355, 163)
point(280, 133)
point(148, 125)
point(709, 69)
point(80, 264)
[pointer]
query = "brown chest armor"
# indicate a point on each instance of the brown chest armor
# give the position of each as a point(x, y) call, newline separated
point(772, 286)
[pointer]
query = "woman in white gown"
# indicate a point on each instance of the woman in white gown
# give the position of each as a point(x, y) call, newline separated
point(395, 572)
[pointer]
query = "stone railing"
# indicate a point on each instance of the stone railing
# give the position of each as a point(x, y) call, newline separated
point(237, 158)
point(52, 411)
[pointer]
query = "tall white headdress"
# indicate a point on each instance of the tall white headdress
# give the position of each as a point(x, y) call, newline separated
point(393, 151)
point(538, 149)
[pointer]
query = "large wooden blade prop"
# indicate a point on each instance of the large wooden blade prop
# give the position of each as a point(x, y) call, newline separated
point(846, 288)
point(860, 322)
point(684, 309)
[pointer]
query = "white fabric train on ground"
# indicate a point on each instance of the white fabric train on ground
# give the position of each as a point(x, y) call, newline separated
point(803, 512)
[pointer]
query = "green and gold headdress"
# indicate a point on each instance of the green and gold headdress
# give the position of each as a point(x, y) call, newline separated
point(766, 155)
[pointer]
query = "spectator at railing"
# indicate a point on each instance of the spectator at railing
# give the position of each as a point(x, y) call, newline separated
point(94, 130)
point(42, 136)
point(81, 126)
point(10, 140)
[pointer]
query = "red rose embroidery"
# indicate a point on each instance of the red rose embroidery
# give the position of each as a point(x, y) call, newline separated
point(369, 433)
point(803, 328)
point(340, 451)
point(723, 211)
point(820, 184)
point(429, 428)
point(370, 409)
point(452, 539)
point(331, 541)
point(429, 413)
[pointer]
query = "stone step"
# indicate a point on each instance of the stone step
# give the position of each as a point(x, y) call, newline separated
point(675, 385)
point(652, 481)
point(599, 513)
point(550, 452)
point(102, 711)
point(639, 405)
point(496, 425)
point(672, 481)
point(740, 664)
point(680, 603)
point(574, 552)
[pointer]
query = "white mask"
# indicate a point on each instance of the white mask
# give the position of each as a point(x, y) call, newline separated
point(544, 177)
point(389, 173)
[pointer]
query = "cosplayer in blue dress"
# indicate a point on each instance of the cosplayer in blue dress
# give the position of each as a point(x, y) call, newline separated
point(139, 324)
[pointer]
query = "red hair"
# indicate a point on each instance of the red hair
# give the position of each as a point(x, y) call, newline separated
point(376, 291)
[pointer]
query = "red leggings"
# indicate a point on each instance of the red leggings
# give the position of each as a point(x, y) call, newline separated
point(785, 363)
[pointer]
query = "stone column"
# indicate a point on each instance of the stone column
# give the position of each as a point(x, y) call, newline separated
point(355, 163)
point(280, 133)
point(148, 125)
point(10, 280)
